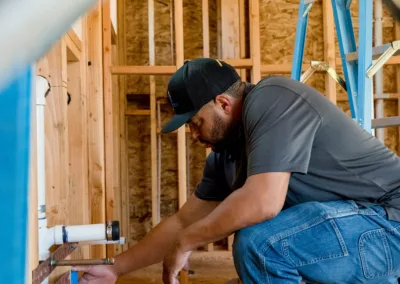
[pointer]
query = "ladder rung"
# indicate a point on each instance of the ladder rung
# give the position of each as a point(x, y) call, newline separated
point(376, 51)
point(386, 122)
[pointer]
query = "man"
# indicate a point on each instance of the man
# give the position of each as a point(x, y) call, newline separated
point(311, 195)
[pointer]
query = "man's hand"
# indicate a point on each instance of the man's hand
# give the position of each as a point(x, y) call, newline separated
point(97, 274)
point(175, 261)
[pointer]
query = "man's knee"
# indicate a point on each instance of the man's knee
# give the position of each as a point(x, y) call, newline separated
point(243, 245)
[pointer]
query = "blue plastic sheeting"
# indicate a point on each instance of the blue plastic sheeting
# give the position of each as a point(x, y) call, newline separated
point(15, 104)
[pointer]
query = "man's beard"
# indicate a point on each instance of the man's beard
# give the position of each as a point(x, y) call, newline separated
point(223, 134)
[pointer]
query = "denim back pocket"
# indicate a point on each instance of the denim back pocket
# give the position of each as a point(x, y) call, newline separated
point(320, 242)
point(380, 253)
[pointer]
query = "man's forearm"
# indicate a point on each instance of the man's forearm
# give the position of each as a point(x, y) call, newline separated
point(151, 249)
point(243, 208)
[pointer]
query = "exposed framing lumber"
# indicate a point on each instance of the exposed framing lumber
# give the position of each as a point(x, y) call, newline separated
point(219, 30)
point(206, 54)
point(121, 43)
point(33, 251)
point(132, 111)
point(206, 29)
point(78, 159)
point(143, 70)
point(54, 67)
point(182, 182)
point(242, 36)
point(169, 70)
point(75, 39)
point(116, 142)
point(108, 118)
point(73, 53)
point(397, 37)
point(155, 204)
point(230, 32)
point(254, 11)
point(96, 122)
point(230, 28)
point(329, 49)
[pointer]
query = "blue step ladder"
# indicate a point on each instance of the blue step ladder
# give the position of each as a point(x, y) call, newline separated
point(358, 65)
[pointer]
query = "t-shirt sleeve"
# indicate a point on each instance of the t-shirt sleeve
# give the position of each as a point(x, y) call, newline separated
point(212, 186)
point(280, 126)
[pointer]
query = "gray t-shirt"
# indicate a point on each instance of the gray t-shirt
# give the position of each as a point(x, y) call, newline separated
point(288, 126)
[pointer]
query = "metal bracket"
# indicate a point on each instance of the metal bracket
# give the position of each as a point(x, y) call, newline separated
point(309, 4)
point(392, 48)
point(320, 66)
point(44, 269)
point(386, 122)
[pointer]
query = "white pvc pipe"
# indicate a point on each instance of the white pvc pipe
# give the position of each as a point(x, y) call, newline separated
point(30, 28)
point(93, 232)
point(380, 132)
point(42, 87)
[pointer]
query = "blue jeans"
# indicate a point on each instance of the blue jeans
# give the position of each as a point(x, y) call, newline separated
point(320, 242)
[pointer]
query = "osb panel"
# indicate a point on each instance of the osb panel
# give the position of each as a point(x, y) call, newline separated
point(391, 133)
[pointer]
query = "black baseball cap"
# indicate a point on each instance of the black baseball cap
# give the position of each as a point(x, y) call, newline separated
point(195, 84)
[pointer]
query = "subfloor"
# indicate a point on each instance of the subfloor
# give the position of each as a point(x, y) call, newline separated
point(209, 267)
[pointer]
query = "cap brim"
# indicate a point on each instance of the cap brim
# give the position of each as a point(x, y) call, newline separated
point(177, 121)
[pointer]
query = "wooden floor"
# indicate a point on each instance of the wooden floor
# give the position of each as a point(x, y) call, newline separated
point(208, 267)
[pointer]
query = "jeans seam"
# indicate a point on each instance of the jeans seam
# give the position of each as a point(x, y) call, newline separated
point(340, 237)
point(295, 230)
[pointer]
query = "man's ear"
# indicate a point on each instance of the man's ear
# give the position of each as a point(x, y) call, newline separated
point(224, 102)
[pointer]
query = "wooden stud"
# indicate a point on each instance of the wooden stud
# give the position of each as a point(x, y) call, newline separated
point(397, 37)
point(78, 159)
point(206, 54)
point(125, 220)
point(230, 28)
point(219, 29)
point(255, 40)
point(33, 251)
point(108, 118)
point(96, 122)
point(242, 36)
point(155, 206)
point(116, 143)
point(206, 29)
point(184, 277)
point(230, 37)
point(182, 183)
point(54, 68)
point(329, 49)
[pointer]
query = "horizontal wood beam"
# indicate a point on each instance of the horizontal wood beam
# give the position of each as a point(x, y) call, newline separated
point(169, 70)
point(131, 111)
point(386, 96)
point(143, 70)
point(187, 129)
